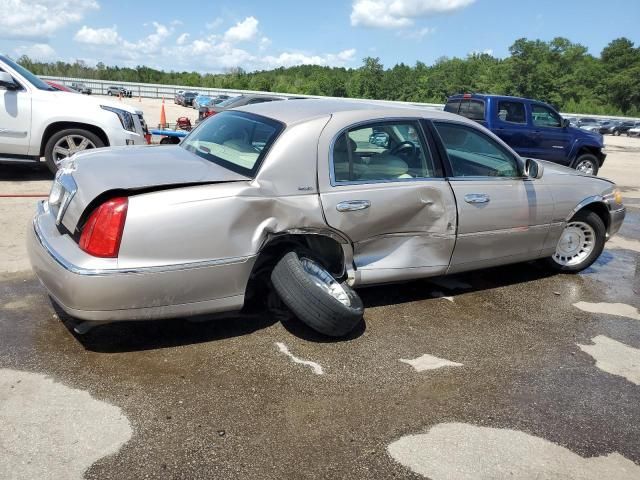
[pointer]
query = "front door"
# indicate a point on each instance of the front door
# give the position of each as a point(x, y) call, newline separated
point(502, 216)
point(551, 140)
point(15, 121)
point(387, 194)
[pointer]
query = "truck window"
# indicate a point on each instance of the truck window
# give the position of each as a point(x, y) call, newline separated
point(472, 109)
point(452, 106)
point(545, 117)
point(512, 112)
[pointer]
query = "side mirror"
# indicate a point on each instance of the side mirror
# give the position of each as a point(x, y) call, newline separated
point(565, 122)
point(533, 168)
point(7, 82)
point(380, 139)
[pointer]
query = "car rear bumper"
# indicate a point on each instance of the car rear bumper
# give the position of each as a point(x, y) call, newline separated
point(91, 292)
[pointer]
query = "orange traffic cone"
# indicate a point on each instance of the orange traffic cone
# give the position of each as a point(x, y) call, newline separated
point(163, 116)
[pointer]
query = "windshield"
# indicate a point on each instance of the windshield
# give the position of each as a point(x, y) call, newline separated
point(234, 140)
point(229, 101)
point(30, 77)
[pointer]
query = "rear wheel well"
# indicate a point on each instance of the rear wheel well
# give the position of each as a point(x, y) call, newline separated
point(58, 126)
point(327, 250)
point(601, 210)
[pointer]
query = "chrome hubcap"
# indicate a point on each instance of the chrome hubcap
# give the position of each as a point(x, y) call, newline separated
point(67, 146)
point(325, 281)
point(576, 244)
point(585, 166)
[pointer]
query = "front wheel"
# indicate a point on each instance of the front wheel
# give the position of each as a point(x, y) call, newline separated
point(587, 163)
point(580, 244)
point(320, 301)
point(65, 143)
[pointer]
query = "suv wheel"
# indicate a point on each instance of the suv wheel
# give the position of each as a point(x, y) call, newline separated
point(320, 301)
point(580, 244)
point(65, 143)
point(587, 163)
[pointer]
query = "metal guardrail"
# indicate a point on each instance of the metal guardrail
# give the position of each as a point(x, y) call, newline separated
point(154, 90)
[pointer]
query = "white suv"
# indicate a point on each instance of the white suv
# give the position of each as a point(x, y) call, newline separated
point(38, 121)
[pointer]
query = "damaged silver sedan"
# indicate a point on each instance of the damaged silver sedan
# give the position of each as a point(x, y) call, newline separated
point(311, 199)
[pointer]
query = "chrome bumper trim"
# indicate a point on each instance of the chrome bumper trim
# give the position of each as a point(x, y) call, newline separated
point(127, 271)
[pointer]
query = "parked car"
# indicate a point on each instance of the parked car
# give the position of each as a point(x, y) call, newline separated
point(606, 126)
point(200, 101)
point(624, 127)
point(533, 129)
point(81, 87)
point(244, 203)
point(118, 91)
point(62, 124)
point(584, 121)
point(187, 98)
point(633, 132)
point(60, 87)
point(179, 93)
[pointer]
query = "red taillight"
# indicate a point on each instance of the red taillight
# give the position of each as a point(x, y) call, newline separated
point(102, 233)
point(466, 95)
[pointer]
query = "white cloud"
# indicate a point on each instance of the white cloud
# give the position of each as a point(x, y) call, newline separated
point(215, 23)
point(37, 51)
point(416, 34)
point(289, 59)
point(97, 36)
point(39, 19)
point(182, 39)
point(399, 13)
point(242, 31)
point(265, 43)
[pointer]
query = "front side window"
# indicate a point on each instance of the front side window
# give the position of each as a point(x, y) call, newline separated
point(545, 117)
point(474, 154)
point(234, 140)
point(385, 151)
point(512, 112)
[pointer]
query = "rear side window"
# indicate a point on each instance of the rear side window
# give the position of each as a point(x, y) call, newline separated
point(512, 112)
point(474, 154)
point(472, 109)
point(234, 140)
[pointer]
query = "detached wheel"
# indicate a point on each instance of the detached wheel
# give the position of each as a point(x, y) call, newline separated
point(65, 143)
point(580, 244)
point(587, 163)
point(315, 296)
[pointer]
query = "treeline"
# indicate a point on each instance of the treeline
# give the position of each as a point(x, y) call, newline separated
point(559, 72)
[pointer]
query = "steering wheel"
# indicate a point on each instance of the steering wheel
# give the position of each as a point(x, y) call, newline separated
point(404, 146)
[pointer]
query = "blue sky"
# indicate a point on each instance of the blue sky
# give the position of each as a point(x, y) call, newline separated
point(217, 35)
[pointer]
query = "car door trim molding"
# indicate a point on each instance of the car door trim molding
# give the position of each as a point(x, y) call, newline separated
point(503, 231)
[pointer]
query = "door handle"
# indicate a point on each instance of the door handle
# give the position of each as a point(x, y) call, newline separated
point(353, 205)
point(476, 198)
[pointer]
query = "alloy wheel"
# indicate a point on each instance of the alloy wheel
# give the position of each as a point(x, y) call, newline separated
point(68, 145)
point(325, 281)
point(577, 242)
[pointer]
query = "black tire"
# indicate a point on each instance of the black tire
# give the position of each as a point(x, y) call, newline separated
point(594, 220)
point(588, 157)
point(109, 93)
point(310, 303)
point(48, 149)
point(616, 133)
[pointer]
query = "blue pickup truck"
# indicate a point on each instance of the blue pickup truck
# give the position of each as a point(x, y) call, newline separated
point(533, 129)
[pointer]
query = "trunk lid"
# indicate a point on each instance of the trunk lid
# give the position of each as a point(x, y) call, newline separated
point(131, 169)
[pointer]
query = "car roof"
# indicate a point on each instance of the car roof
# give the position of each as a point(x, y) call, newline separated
point(298, 111)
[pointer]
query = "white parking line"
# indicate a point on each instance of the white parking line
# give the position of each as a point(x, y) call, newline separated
point(429, 362)
point(317, 369)
point(51, 431)
point(615, 357)
point(618, 309)
point(624, 243)
point(466, 452)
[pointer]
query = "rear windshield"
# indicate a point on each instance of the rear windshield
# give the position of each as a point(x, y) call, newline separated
point(470, 108)
point(234, 140)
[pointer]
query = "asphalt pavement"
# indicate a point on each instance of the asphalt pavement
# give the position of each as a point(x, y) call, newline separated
point(503, 373)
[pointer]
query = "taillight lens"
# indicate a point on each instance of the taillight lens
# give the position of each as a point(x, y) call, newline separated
point(102, 233)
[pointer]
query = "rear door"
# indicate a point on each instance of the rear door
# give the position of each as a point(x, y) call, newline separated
point(15, 121)
point(510, 124)
point(551, 141)
point(385, 191)
point(503, 217)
